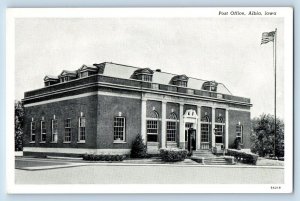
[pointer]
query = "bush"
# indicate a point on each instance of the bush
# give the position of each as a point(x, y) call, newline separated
point(94, 157)
point(173, 155)
point(138, 149)
point(248, 158)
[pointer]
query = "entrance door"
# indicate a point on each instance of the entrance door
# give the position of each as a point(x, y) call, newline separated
point(191, 139)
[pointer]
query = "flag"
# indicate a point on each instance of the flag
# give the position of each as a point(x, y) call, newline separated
point(267, 37)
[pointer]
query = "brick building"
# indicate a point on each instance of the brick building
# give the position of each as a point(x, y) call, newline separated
point(101, 108)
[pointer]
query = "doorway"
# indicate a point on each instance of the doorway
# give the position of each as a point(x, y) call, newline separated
point(191, 139)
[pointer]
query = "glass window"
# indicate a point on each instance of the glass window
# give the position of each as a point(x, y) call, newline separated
point(147, 78)
point(82, 129)
point(84, 74)
point(43, 131)
point(32, 126)
point(219, 129)
point(205, 129)
point(119, 128)
point(239, 132)
point(54, 130)
point(67, 137)
point(152, 130)
point(171, 131)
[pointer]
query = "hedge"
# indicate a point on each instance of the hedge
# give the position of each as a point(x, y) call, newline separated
point(243, 157)
point(94, 157)
point(173, 155)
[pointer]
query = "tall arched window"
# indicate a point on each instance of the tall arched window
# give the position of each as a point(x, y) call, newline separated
point(172, 127)
point(152, 127)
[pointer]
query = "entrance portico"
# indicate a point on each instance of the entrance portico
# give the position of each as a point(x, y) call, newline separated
point(208, 122)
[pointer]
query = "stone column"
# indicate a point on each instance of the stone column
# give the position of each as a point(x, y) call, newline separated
point(163, 123)
point(213, 118)
point(226, 129)
point(143, 119)
point(198, 135)
point(181, 128)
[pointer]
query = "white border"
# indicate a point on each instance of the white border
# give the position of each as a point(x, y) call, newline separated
point(12, 14)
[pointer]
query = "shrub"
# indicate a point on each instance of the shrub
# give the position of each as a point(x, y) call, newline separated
point(173, 155)
point(94, 157)
point(248, 158)
point(138, 149)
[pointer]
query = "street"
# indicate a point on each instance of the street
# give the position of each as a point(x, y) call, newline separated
point(79, 172)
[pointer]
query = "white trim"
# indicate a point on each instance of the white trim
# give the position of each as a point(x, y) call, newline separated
point(83, 95)
point(75, 150)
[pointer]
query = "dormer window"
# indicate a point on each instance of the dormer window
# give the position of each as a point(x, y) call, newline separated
point(210, 86)
point(144, 74)
point(66, 76)
point(50, 80)
point(180, 80)
point(86, 71)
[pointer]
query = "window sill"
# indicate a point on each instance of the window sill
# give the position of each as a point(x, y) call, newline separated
point(67, 142)
point(32, 142)
point(81, 142)
point(120, 142)
point(53, 142)
point(43, 142)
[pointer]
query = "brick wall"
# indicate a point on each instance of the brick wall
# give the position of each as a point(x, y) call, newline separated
point(244, 118)
point(63, 110)
point(110, 107)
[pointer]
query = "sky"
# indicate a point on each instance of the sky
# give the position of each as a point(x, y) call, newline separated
point(226, 50)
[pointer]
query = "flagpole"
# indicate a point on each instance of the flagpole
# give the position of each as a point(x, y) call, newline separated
point(274, 63)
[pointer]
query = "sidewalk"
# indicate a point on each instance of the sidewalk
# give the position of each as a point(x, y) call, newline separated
point(55, 163)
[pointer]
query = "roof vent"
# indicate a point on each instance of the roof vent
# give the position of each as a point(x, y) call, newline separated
point(158, 70)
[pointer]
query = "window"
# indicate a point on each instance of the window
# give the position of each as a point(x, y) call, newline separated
point(43, 131)
point(219, 129)
point(152, 130)
point(82, 129)
point(239, 132)
point(84, 74)
point(119, 129)
point(147, 78)
point(171, 131)
point(182, 83)
point(32, 128)
point(65, 79)
point(67, 137)
point(54, 130)
point(205, 129)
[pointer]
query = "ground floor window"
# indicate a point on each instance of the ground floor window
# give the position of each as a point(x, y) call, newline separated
point(119, 129)
point(239, 132)
point(82, 129)
point(205, 132)
point(67, 137)
point(171, 131)
point(43, 131)
point(152, 130)
point(32, 132)
point(219, 133)
point(54, 130)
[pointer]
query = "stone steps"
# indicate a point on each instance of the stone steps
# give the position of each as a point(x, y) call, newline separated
point(206, 157)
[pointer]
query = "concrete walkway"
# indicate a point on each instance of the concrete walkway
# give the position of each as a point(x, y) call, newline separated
point(54, 171)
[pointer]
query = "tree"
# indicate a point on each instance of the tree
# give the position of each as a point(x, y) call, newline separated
point(263, 133)
point(19, 123)
point(139, 149)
